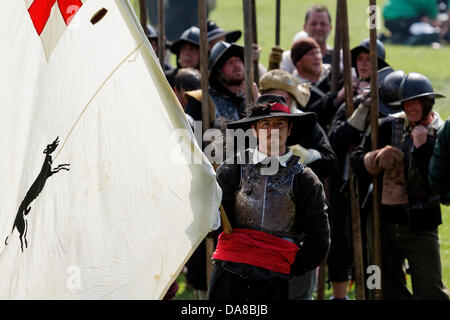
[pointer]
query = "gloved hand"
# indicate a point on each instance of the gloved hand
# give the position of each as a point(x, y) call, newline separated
point(388, 157)
point(275, 57)
point(358, 118)
point(306, 155)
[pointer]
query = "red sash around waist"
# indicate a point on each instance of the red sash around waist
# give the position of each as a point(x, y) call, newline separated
point(256, 248)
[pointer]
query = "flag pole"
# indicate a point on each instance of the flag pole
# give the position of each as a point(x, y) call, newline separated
point(248, 53)
point(374, 139)
point(353, 186)
point(161, 34)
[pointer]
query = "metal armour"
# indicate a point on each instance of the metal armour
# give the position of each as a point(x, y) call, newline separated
point(264, 202)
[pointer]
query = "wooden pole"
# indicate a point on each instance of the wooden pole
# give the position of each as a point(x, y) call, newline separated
point(354, 202)
point(248, 53)
point(206, 120)
point(336, 51)
point(161, 34)
point(277, 23)
point(255, 41)
point(143, 13)
point(374, 139)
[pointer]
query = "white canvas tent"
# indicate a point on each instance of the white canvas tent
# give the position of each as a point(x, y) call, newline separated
point(123, 214)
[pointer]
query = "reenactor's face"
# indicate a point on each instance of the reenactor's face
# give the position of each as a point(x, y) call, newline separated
point(311, 62)
point(272, 134)
point(189, 56)
point(363, 65)
point(318, 26)
point(413, 110)
point(233, 69)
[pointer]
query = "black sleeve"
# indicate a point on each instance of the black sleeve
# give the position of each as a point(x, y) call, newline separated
point(342, 135)
point(194, 109)
point(384, 139)
point(439, 169)
point(228, 177)
point(311, 221)
point(318, 140)
point(324, 108)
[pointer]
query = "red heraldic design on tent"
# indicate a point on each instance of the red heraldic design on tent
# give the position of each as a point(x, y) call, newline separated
point(50, 19)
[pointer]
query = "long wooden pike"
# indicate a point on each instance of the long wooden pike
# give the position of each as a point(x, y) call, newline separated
point(161, 34)
point(334, 88)
point(248, 52)
point(336, 51)
point(255, 41)
point(143, 13)
point(374, 139)
point(354, 206)
point(206, 120)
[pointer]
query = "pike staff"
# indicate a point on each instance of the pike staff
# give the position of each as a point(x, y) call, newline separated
point(353, 186)
point(276, 52)
point(248, 52)
point(161, 33)
point(255, 40)
point(374, 139)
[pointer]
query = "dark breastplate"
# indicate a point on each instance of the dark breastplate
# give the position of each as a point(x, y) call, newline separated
point(264, 202)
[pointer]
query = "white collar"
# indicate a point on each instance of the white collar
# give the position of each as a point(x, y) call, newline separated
point(258, 157)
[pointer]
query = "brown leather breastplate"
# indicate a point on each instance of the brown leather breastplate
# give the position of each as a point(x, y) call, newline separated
point(264, 202)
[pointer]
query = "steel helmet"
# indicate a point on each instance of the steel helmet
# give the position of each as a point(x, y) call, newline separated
point(191, 35)
point(416, 85)
point(214, 32)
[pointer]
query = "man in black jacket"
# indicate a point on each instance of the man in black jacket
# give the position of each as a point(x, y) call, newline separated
point(269, 210)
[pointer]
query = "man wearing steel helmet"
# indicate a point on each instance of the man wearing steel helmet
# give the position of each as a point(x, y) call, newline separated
point(410, 212)
point(187, 52)
point(269, 210)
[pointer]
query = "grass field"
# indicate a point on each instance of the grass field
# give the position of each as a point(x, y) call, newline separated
point(228, 14)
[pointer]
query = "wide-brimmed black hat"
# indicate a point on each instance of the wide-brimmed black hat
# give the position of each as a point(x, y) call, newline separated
point(364, 46)
point(271, 106)
point(220, 53)
point(214, 32)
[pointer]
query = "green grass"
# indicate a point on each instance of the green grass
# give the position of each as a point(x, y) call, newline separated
point(423, 59)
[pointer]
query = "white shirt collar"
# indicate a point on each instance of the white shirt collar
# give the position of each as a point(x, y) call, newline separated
point(258, 157)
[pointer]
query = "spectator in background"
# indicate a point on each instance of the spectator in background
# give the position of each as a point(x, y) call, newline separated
point(411, 21)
